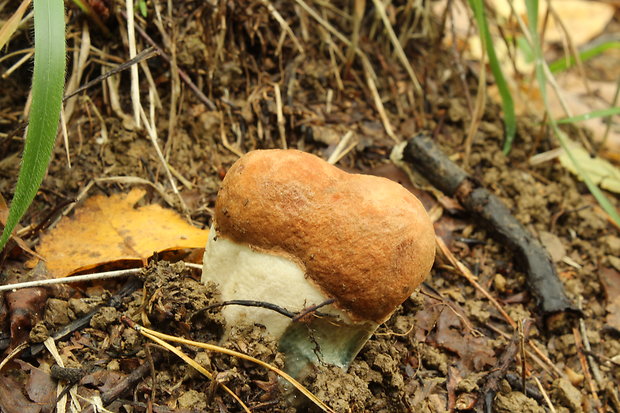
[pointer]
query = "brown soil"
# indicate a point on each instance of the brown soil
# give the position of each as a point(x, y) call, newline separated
point(436, 352)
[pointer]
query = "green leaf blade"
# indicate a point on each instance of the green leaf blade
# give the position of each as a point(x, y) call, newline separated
point(47, 90)
point(510, 119)
point(602, 113)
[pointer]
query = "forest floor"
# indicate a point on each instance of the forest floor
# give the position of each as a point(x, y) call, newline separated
point(447, 348)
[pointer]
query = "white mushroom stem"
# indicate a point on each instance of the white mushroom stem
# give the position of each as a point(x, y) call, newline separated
point(243, 273)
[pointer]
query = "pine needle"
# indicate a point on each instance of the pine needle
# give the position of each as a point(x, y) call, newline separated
point(153, 335)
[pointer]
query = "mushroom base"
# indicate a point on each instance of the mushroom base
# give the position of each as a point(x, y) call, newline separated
point(242, 273)
point(323, 340)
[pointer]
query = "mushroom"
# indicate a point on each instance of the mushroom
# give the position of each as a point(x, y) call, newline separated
point(292, 230)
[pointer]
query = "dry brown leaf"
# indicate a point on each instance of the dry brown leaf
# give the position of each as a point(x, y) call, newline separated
point(108, 229)
point(443, 326)
point(40, 387)
point(12, 399)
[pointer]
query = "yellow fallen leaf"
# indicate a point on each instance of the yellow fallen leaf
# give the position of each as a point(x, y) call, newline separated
point(108, 229)
point(602, 172)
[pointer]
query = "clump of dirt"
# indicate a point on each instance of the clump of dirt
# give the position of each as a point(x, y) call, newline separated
point(175, 301)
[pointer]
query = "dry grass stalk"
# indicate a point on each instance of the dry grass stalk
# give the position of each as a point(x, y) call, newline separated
point(378, 102)
point(71, 279)
point(194, 364)
point(570, 46)
point(182, 74)
point(175, 81)
point(537, 356)
point(400, 53)
point(545, 395)
point(61, 403)
point(80, 59)
point(444, 251)
point(224, 137)
point(476, 116)
point(340, 151)
point(16, 351)
point(151, 129)
point(135, 180)
point(280, 115)
point(586, 371)
point(103, 139)
point(135, 80)
point(19, 63)
point(285, 27)
point(113, 83)
point(155, 334)
point(65, 135)
point(358, 14)
point(333, 51)
point(369, 72)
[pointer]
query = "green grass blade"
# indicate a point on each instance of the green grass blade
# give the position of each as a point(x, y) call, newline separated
point(510, 120)
point(564, 63)
point(603, 113)
point(532, 14)
point(47, 88)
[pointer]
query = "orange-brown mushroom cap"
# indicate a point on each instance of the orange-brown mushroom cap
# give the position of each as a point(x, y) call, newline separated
point(362, 240)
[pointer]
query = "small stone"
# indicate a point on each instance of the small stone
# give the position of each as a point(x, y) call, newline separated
point(39, 333)
point(131, 337)
point(114, 365)
point(478, 311)
point(83, 306)
point(56, 312)
point(553, 245)
point(192, 399)
point(465, 401)
point(499, 283)
point(614, 261)
point(504, 387)
point(515, 402)
point(433, 358)
point(568, 395)
point(612, 243)
point(469, 384)
point(104, 317)
point(575, 378)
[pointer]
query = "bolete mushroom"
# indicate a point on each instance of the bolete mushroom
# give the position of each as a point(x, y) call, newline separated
point(292, 230)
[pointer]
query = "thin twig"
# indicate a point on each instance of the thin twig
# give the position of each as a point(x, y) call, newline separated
point(312, 309)
point(72, 279)
point(522, 355)
point(143, 55)
point(274, 307)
